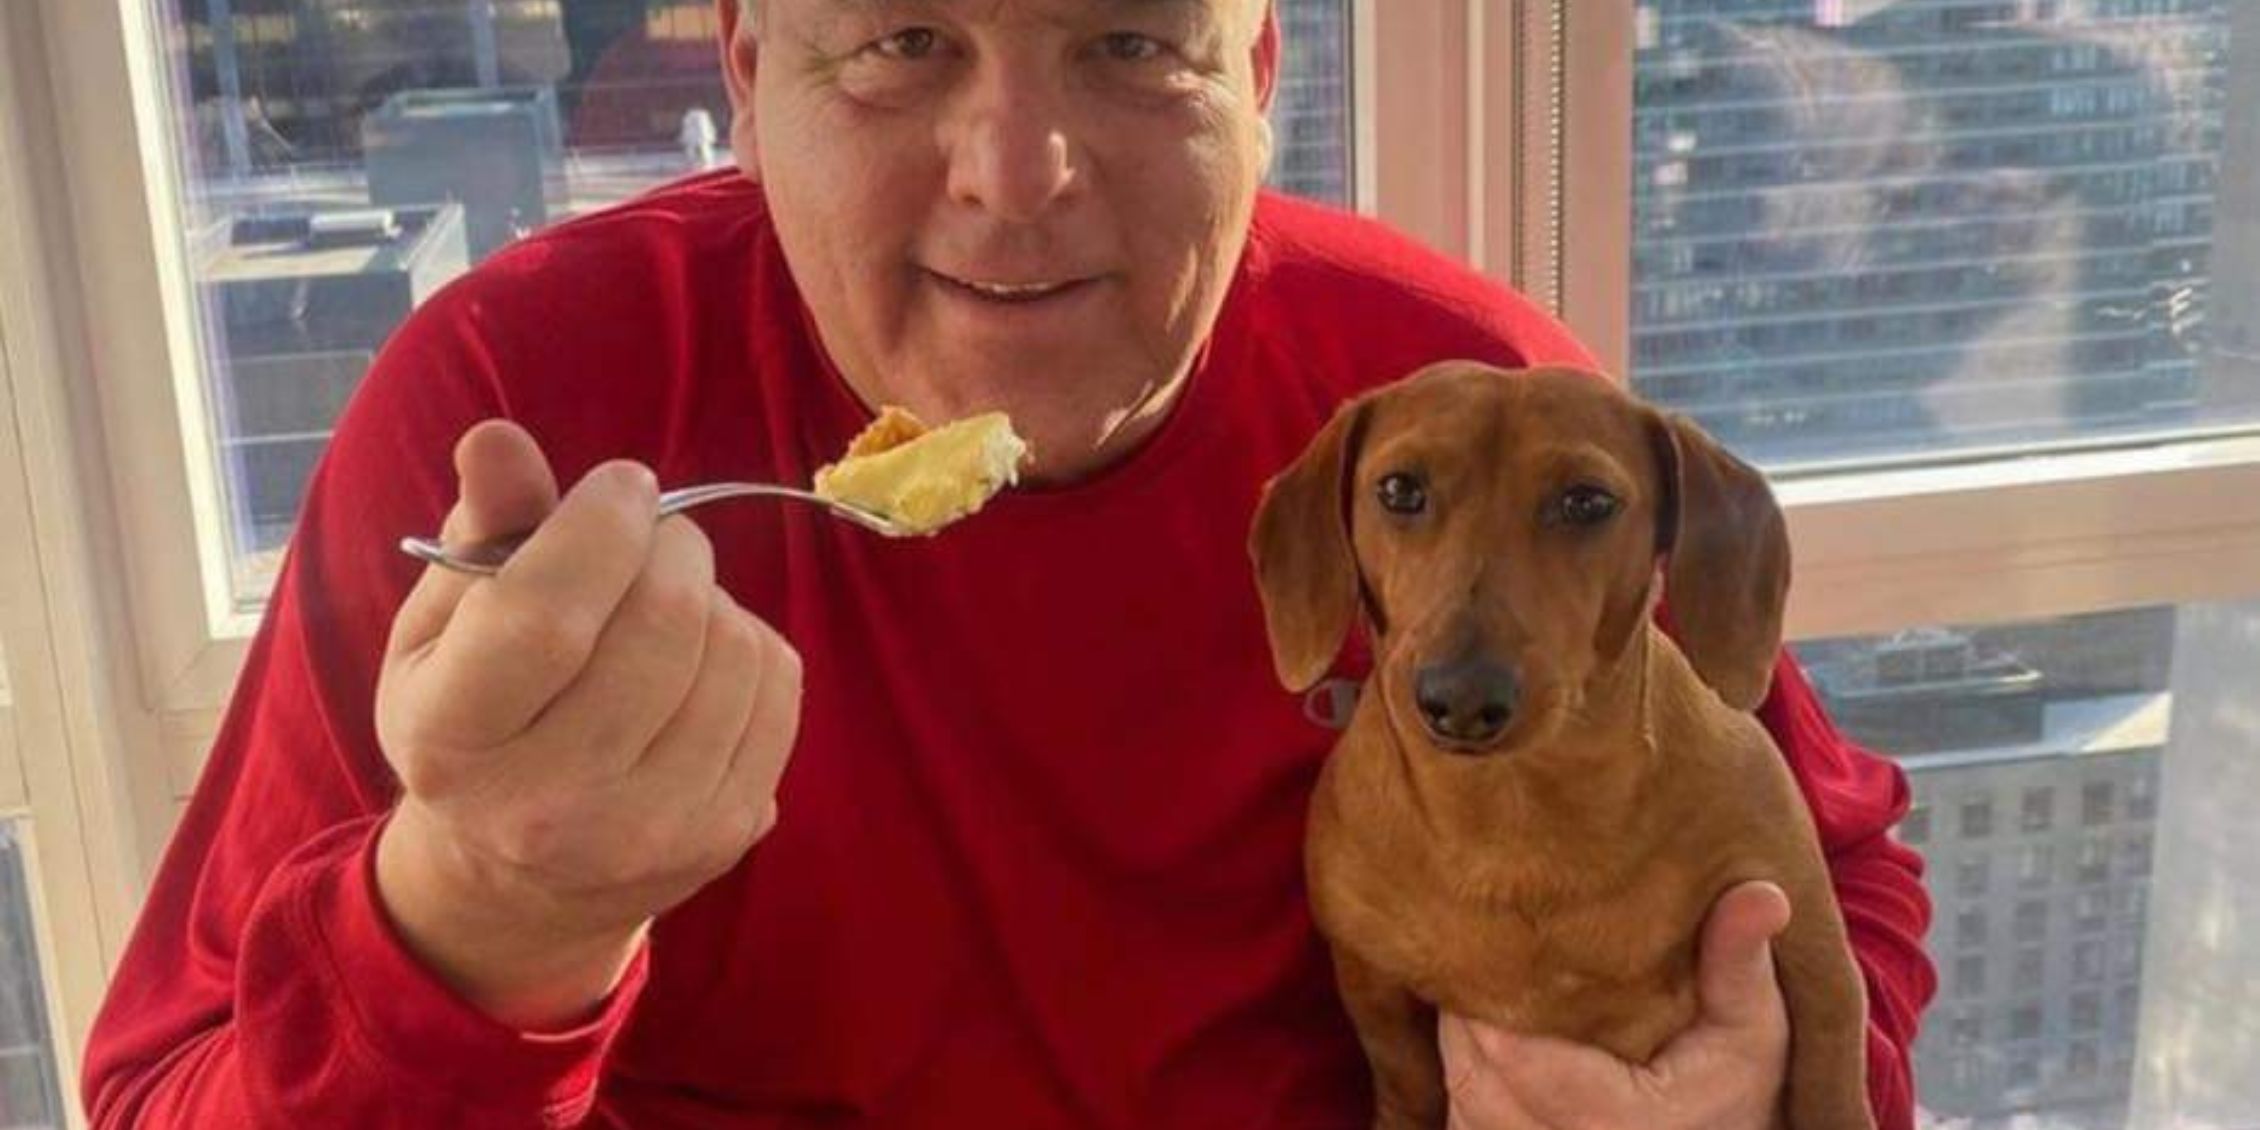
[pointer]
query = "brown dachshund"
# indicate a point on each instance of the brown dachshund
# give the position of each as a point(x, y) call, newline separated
point(1540, 795)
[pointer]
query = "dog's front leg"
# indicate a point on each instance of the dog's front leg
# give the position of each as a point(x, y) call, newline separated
point(1827, 1085)
point(1398, 1031)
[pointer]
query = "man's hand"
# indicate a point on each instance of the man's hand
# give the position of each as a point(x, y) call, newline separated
point(1723, 1073)
point(584, 739)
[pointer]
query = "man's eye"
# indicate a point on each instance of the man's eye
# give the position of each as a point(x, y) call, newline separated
point(1401, 493)
point(1585, 506)
point(1130, 47)
point(910, 43)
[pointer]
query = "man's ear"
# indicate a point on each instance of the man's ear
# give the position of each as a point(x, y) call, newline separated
point(1306, 569)
point(740, 45)
point(1726, 548)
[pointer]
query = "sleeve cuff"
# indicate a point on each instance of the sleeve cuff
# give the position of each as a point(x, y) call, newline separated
point(415, 1025)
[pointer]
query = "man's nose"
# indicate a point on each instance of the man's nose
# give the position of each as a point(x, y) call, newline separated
point(1466, 702)
point(1015, 155)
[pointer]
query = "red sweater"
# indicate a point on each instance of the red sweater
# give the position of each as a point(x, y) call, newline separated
point(1040, 861)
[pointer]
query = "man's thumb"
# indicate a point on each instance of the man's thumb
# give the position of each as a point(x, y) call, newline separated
point(1736, 979)
point(503, 486)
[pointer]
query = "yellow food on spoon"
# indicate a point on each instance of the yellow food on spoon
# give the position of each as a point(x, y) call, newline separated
point(925, 480)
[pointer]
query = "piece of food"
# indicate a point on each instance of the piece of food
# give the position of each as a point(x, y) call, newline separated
point(925, 479)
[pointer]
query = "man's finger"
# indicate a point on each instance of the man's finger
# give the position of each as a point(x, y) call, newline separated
point(1553, 1082)
point(504, 486)
point(1735, 976)
point(518, 639)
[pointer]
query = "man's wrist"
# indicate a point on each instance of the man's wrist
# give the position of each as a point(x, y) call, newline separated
point(522, 967)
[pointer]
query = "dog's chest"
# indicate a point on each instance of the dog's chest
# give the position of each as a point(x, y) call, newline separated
point(1611, 967)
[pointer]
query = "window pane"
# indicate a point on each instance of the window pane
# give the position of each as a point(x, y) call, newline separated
point(2061, 723)
point(1885, 228)
point(346, 158)
point(30, 1096)
point(1311, 114)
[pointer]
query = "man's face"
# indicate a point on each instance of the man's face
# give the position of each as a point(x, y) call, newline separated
point(1026, 205)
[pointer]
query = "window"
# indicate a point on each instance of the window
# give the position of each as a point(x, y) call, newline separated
point(2087, 962)
point(30, 1089)
point(1969, 929)
point(2031, 923)
point(2095, 804)
point(1969, 975)
point(1977, 818)
point(2031, 971)
point(2093, 866)
point(2024, 1069)
point(2035, 864)
point(1970, 876)
point(2018, 715)
point(2089, 911)
point(2083, 1061)
point(2134, 854)
point(1810, 148)
point(2040, 806)
point(1915, 827)
point(344, 159)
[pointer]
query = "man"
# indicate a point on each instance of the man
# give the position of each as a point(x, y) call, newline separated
point(474, 853)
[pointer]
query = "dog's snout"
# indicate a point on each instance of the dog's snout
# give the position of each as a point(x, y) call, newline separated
point(1466, 702)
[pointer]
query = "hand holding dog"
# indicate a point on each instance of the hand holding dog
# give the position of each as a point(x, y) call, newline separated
point(1724, 1073)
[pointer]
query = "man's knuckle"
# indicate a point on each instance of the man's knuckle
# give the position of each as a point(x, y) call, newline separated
point(672, 609)
point(540, 636)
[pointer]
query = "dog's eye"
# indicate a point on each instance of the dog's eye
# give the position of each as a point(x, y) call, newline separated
point(1586, 506)
point(1402, 494)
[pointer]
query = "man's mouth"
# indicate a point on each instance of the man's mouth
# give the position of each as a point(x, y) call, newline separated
point(1018, 292)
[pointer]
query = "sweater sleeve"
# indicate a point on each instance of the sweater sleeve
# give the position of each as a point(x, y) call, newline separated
point(1856, 797)
point(263, 985)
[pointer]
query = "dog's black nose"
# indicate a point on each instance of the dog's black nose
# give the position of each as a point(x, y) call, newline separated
point(1466, 702)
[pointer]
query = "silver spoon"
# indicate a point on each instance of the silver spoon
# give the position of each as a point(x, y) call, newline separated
point(486, 557)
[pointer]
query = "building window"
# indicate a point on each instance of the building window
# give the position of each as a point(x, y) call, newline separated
point(2031, 921)
point(1970, 876)
point(2087, 961)
point(2039, 810)
point(2090, 911)
point(2087, 1011)
point(2095, 803)
point(2031, 971)
point(2024, 1069)
point(2134, 856)
point(1915, 828)
point(1969, 973)
point(2142, 797)
point(1969, 929)
point(2093, 865)
point(1977, 818)
point(2035, 864)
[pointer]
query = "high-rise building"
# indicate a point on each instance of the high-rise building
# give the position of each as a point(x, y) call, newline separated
point(1874, 226)
point(2039, 866)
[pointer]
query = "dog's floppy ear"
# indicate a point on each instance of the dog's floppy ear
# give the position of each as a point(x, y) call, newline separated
point(1727, 552)
point(1306, 570)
